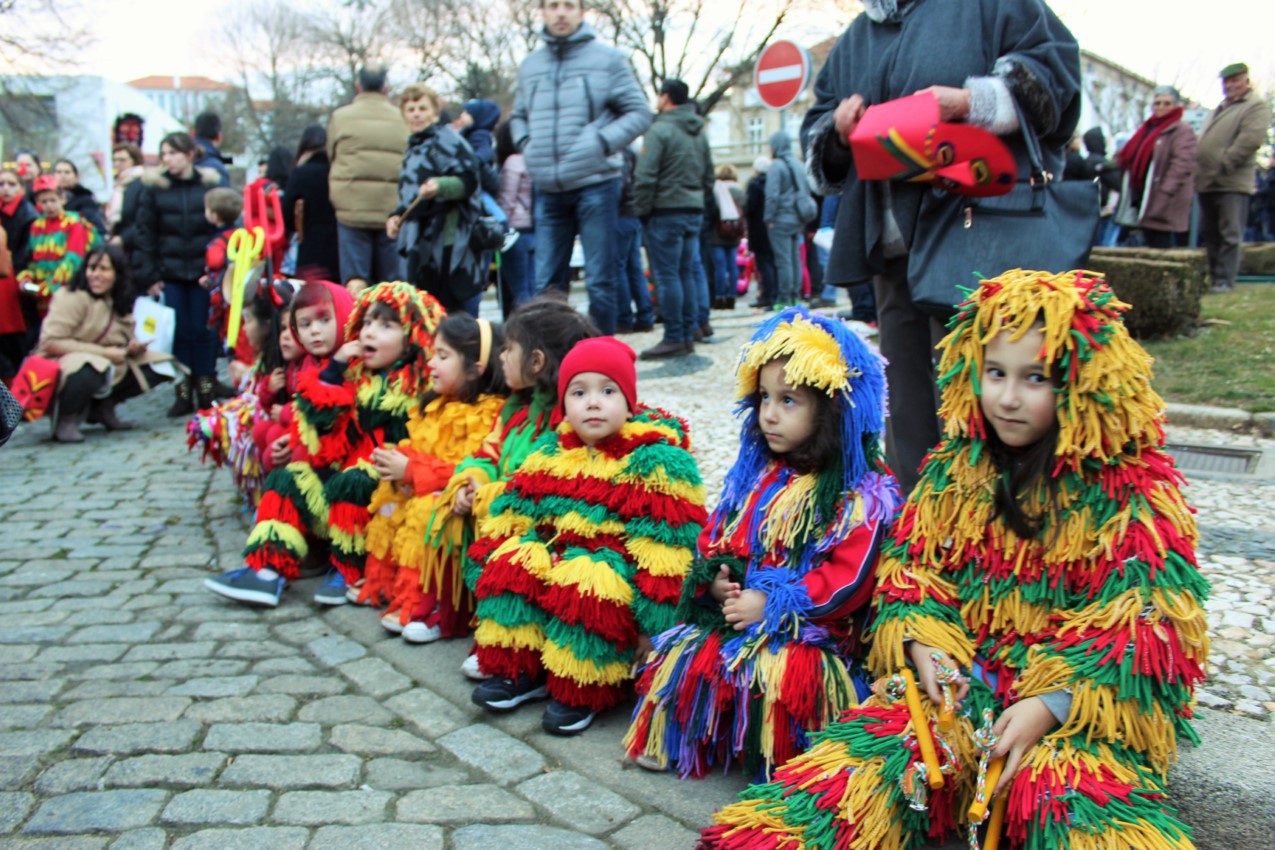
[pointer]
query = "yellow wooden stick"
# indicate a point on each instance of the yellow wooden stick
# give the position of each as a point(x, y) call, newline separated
point(978, 810)
point(921, 724)
point(993, 838)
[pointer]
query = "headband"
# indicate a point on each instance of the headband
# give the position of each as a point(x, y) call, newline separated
point(484, 342)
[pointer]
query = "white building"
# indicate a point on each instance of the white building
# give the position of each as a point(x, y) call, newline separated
point(183, 97)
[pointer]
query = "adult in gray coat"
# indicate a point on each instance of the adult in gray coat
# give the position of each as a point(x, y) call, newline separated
point(673, 173)
point(578, 105)
point(785, 184)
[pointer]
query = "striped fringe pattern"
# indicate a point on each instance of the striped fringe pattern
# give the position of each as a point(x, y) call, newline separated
point(293, 503)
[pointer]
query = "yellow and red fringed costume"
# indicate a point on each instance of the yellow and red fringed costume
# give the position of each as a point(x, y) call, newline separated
point(588, 548)
point(56, 249)
point(404, 565)
point(339, 416)
point(1101, 607)
point(711, 695)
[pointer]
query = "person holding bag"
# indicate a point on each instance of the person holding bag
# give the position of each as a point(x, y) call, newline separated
point(978, 58)
point(89, 331)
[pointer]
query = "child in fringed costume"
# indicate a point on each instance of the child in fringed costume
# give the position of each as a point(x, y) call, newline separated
point(538, 335)
point(236, 432)
point(1047, 555)
point(596, 533)
point(428, 599)
point(57, 245)
point(357, 403)
point(771, 617)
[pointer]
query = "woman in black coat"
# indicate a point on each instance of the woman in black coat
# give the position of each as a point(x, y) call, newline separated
point(172, 235)
point(307, 210)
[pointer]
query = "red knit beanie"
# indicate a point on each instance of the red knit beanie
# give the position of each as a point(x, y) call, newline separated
point(605, 355)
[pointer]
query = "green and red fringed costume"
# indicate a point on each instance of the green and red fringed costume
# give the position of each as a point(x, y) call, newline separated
point(588, 551)
point(56, 249)
point(711, 695)
point(339, 416)
point(1102, 605)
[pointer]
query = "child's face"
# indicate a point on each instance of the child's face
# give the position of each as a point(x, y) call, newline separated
point(253, 329)
point(66, 175)
point(50, 204)
point(100, 275)
point(1018, 398)
point(316, 327)
point(787, 415)
point(511, 355)
point(448, 369)
point(288, 343)
point(383, 342)
point(211, 217)
point(10, 186)
point(595, 407)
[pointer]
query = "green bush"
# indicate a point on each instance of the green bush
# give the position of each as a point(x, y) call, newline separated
point(1163, 288)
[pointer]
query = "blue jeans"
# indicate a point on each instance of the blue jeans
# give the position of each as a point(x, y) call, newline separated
point(1107, 232)
point(517, 269)
point(725, 270)
point(672, 246)
point(369, 254)
point(194, 343)
point(591, 212)
point(630, 283)
point(703, 288)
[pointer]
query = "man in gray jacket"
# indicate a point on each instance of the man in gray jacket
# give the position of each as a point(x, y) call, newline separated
point(673, 172)
point(785, 184)
point(578, 105)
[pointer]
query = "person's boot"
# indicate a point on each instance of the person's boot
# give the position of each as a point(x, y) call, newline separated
point(205, 391)
point(666, 348)
point(183, 404)
point(223, 391)
point(102, 412)
point(67, 429)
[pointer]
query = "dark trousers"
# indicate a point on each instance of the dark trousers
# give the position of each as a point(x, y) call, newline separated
point(767, 276)
point(194, 343)
point(79, 388)
point(908, 340)
point(1162, 238)
point(1222, 219)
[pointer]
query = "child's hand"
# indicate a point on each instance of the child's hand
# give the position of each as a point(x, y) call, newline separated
point(428, 189)
point(925, 673)
point(278, 380)
point(281, 451)
point(1023, 725)
point(722, 587)
point(640, 652)
point(464, 504)
point(276, 412)
point(390, 464)
point(744, 608)
point(349, 351)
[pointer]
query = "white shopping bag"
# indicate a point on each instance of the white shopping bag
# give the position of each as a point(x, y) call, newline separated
point(154, 324)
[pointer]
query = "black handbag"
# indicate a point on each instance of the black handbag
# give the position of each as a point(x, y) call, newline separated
point(1043, 224)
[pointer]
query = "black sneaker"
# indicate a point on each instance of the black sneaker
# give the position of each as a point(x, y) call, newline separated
point(499, 694)
point(563, 719)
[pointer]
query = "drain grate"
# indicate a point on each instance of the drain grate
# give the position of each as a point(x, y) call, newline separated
point(1224, 460)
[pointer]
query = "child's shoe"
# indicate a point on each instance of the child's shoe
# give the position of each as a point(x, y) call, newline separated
point(332, 591)
point(352, 594)
point(650, 763)
point(499, 694)
point(244, 585)
point(563, 719)
point(471, 669)
point(417, 632)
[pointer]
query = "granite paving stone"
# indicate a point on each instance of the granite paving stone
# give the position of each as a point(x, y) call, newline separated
point(176, 736)
point(394, 774)
point(655, 832)
point(502, 757)
point(302, 685)
point(109, 811)
point(484, 837)
point(375, 741)
point(128, 633)
point(378, 837)
point(264, 737)
point(268, 708)
point(14, 807)
point(375, 677)
point(191, 770)
point(215, 686)
point(141, 839)
point(17, 772)
point(320, 808)
point(463, 804)
point(269, 771)
point(122, 710)
point(75, 774)
point(577, 802)
point(103, 688)
point(203, 806)
point(23, 716)
point(335, 649)
point(251, 838)
point(345, 709)
point(34, 742)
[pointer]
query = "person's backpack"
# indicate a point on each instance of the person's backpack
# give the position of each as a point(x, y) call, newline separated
point(805, 207)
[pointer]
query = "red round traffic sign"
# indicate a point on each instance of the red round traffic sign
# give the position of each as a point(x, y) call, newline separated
point(782, 71)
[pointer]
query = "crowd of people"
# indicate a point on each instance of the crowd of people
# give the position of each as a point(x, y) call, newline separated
point(876, 607)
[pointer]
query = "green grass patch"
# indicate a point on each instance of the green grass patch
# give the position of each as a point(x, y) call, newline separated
point(1230, 361)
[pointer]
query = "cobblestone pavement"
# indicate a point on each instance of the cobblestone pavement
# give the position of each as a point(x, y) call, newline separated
point(140, 711)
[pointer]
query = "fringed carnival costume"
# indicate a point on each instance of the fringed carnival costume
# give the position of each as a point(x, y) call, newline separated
point(588, 549)
point(1102, 608)
point(224, 434)
point(340, 415)
point(418, 570)
point(711, 695)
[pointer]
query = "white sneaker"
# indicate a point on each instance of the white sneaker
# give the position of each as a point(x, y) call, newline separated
point(391, 623)
point(649, 763)
point(352, 592)
point(471, 669)
point(418, 632)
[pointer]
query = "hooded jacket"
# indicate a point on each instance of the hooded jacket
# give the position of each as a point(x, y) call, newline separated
point(210, 156)
point(675, 168)
point(785, 182)
point(171, 230)
point(578, 104)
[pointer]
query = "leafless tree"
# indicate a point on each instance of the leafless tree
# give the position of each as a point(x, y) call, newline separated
point(27, 29)
point(347, 36)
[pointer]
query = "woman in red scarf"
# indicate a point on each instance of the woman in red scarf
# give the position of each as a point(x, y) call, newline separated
point(16, 215)
point(1160, 163)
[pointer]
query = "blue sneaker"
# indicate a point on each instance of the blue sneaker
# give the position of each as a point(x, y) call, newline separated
point(244, 585)
point(332, 591)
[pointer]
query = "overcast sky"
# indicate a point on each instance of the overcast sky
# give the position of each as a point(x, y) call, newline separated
point(1173, 41)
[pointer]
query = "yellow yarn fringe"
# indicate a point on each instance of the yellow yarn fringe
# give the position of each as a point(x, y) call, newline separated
point(591, 578)
point(491, 633)
point(273, 530)
point(659, 559)
point(814, 359)
point(560, 661)
point(316, 502)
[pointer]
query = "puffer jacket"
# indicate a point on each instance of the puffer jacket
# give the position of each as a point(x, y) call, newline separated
point(675, 168)
point(578, 104)
point(784, 181)
point(171, 230)
point(366, 140)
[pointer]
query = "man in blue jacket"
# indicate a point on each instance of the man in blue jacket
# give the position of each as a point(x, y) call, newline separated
point(578, 106)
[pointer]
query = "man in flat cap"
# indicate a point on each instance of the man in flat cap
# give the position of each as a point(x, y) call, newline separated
point(1227, 166)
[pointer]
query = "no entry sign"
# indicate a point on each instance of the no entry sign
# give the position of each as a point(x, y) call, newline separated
point(782, 71)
